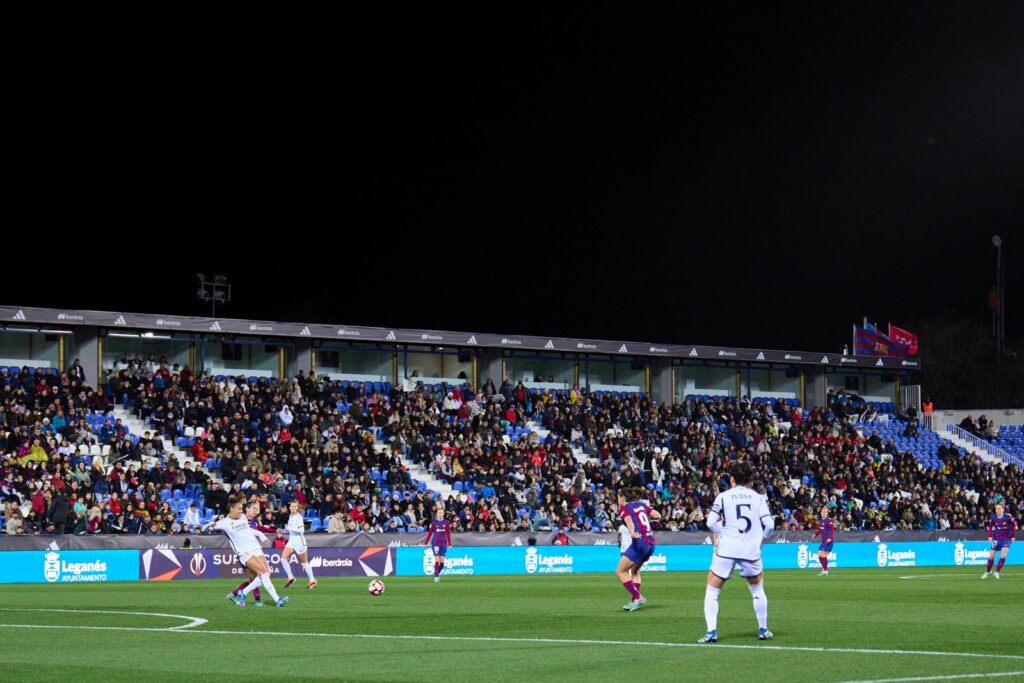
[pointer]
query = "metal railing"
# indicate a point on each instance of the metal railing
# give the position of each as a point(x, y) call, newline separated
point(942, 426)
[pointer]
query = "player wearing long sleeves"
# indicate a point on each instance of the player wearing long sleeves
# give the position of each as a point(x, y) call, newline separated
point(741, 522)
point(827, 531)
point(1001, 529)
point(439, 537)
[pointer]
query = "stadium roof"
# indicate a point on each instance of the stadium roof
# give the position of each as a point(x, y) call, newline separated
point(26, 315)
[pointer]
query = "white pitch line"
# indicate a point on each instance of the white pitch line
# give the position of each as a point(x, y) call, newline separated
point(952, 677)
point(192, 621)
point(549, 641)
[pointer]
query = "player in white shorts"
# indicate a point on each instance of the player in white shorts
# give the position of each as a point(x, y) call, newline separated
point(741, 522)
point(296, 545)
point(246, 542)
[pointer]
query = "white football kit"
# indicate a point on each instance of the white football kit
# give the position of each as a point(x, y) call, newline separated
point(244, 540)
point(296, 533)
point(625, 540)
point(741, 520)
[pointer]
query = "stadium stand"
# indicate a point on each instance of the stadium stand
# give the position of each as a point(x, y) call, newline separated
point(514, 459)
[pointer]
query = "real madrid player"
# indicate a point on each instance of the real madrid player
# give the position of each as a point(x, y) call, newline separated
point(245, 541)
point(296, 546)
point(741, 522)
point(252, 513)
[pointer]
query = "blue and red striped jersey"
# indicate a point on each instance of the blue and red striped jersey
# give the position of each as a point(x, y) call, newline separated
point(440, 533)
point(1002, 528)
point(641, 516)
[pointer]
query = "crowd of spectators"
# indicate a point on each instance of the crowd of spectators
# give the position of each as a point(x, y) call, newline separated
point(340, 450)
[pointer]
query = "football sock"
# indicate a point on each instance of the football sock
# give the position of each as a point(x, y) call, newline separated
point(241, 587)
point(437, 567)
point(999, 567)
point(251, 586)
point(711, 607)
point(269, 586)
point(309, 571)
point(760, 604)
point(824, 563)
point(256, 593)
point(633, 590)
point(989, 567)
point(286, 566)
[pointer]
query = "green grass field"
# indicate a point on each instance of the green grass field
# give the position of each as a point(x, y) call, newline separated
point(856, 625)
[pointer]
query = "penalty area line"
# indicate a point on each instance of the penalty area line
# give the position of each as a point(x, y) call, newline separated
point(548, 641)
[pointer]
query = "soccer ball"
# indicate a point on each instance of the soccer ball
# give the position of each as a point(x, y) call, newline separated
point(376, 587)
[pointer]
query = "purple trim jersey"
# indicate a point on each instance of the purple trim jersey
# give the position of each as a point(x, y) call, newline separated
point(440, 533)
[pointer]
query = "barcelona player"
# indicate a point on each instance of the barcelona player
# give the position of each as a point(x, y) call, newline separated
point(637, 516)
point(827, 531)
point(440, 538)
point(1001, 528)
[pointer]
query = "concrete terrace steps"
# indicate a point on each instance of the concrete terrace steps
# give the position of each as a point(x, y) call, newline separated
point(137, 427)
point(420, 473)
point(581, 456)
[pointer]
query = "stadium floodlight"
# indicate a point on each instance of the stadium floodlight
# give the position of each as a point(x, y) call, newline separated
point(213, 291)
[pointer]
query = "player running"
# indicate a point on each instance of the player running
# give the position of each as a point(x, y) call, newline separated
point(1001, 528)
point(741, 522)
point(252, 513)
point(440, 537)
point(637, 516)
point(296, 546)
point(245, 541)
point(827, 531)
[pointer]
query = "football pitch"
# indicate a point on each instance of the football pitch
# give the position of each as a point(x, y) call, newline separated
point(855, 625)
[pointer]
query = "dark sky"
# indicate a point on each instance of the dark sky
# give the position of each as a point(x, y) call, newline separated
point(749, 175)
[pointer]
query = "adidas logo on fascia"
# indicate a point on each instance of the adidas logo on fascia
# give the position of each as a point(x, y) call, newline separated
point(390, 336)
point(760, 355)
point(305, 331)
point(215, 327)
point(120, 320)
point(549, 345)
point(824, 360)
point(471, 340)
point(693, 352)
point(20, 315)
point(879, 364)
point(623, 349)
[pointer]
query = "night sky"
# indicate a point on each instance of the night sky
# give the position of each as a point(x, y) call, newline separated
point(748, 175)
